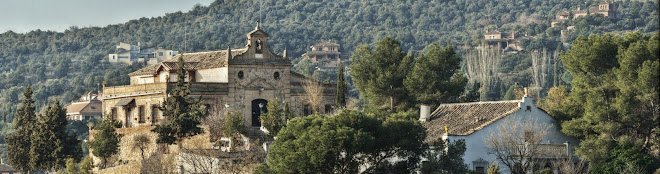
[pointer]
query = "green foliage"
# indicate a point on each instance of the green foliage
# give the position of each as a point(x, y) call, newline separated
point(86, 165)
point(305, 67)
point(449, 161)
point(341, 87)
point(614, 95)
point(51, 146)
point(183, 116)
point(234, 124)
point(273, 120)
point(493, 168)
point(379, 74)
point(340, 143)
point(19, 143)
point(72, 167)
point(106, 141)
point(513, 93)
point(435, 77)
point(624, 155)
point(558, 104)
point(544, 171)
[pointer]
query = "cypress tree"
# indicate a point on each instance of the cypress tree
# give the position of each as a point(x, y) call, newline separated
point(51, 145)
point(19, 143)
point(184, 117)
point(341, 87)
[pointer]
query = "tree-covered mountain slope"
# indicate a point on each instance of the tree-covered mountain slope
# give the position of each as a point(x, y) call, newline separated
point(67, 64)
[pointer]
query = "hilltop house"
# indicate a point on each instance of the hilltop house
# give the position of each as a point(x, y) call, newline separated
point(242, 80)
point(473, 122)
point(88, 107)
point(607, 9)
point(505, 41)
point(127, 53)
point(325, 52)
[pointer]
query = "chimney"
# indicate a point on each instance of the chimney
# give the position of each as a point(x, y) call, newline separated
point(424, 113)
point(526, 102)
point(578, 7)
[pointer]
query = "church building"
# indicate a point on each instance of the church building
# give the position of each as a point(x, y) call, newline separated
point(233, 80)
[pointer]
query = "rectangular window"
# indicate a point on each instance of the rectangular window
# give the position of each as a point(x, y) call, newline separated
point(480, 170)
point(328, 109)
point(160, 53)
point(141, 114)
point(529, 136)
point(154, 113)
point(113, 114)
point(306, 110)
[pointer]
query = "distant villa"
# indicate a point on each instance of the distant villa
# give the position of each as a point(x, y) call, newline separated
point(127, 53)
point(605, 8)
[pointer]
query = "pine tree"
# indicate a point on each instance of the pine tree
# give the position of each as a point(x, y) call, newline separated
point(184, 117)
point(19, 143)
point(341, 87)
point(106, 141)
point(379, 73)
point(435, 77)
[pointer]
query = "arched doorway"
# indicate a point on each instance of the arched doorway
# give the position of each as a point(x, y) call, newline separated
point(258, 108)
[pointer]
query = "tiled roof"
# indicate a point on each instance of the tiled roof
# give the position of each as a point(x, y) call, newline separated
point(465, 118)
point(76, 107)
point(326, 44)
point(206, 60)
point(175, 65)
point(86, 106)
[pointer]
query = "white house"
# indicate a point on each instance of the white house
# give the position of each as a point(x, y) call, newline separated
point(127, 53)
point(474, 122)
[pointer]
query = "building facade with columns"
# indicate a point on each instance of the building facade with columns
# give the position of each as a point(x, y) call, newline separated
point(232, 80)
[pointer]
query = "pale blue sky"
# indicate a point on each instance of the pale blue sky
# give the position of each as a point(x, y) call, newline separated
point(26, 15)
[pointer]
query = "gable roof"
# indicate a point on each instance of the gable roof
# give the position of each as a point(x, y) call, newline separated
point(175, 65)
point(326, 44)
point(198, 60)
point(466, 118)
point(93, 106)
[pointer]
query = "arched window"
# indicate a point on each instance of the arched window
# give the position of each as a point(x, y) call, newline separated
point(240, 74)
point(276, 75)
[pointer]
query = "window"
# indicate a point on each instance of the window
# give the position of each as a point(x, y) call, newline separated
point(480, 170)
point(529, 136)
point(160, 53)
point(141, 114)
point(328, 109)
point(154, 113)
point(240, 74)
point(480, 165)
point(306, 110)
point(113, 114)
point(276, 75)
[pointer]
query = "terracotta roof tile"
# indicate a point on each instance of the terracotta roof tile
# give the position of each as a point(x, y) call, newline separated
point(205, 60)
point(466, 118)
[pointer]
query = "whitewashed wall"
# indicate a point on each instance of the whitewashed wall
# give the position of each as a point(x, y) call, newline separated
point(475, 142)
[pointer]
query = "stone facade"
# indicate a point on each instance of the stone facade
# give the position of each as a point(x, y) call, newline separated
point(233, 80)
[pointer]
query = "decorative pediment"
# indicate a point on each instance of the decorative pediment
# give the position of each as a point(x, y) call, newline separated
point(260, 83)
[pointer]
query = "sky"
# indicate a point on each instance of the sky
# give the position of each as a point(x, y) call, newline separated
point(26, 15)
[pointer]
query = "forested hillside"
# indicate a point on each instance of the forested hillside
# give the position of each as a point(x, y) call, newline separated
point(67, 64)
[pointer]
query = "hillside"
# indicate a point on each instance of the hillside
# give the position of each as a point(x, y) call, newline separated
point(67, 64)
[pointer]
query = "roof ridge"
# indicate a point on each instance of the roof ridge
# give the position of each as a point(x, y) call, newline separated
point(481, 102)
